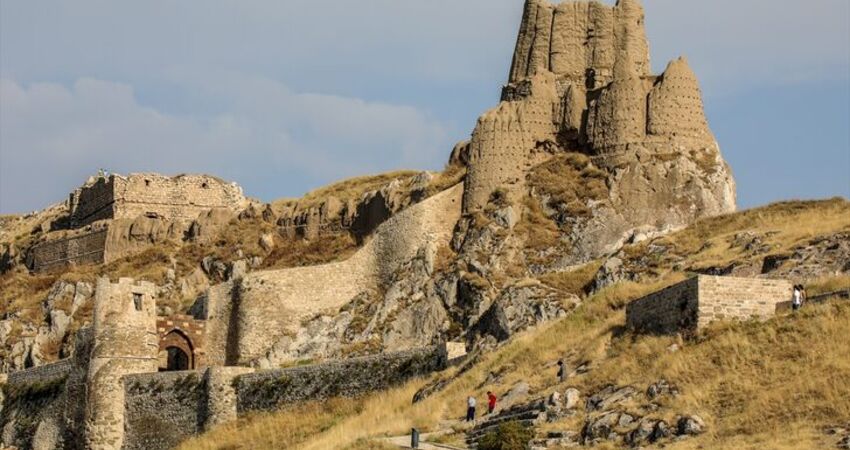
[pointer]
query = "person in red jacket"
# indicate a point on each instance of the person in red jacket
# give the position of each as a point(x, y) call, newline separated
point(491, 402)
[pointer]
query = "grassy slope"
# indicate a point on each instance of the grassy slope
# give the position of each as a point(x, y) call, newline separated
point(757, 385)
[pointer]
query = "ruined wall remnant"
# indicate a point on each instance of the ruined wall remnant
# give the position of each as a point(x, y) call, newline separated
point(87, 247)
point(580, 41)
point(125, 342)
point(580, 82)
point(181, 197)
point(696, 302)
point(245, 318)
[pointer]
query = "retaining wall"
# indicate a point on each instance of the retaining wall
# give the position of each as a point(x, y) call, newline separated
point(696, 302)
point(86, 248)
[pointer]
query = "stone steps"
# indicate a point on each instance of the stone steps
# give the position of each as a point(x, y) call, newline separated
point(527, 415)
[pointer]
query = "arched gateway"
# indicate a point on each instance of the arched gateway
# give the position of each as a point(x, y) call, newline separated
point(181, 340)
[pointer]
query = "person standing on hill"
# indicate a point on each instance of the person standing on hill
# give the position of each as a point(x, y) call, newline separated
point(470, 408)
point(562, 371)
point(797, 297)
point(491, 402)
point(803, 296)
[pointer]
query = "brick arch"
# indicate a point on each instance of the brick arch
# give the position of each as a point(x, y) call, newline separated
point(185, 334)
point(176, 339)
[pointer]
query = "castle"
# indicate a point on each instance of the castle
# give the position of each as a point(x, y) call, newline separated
point(102, 212)
point(579, 82)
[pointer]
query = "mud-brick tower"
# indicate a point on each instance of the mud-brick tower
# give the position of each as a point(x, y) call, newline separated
point(125, 342)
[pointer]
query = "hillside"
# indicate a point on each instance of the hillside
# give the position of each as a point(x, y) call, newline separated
point(777, 384)
point(590, 218)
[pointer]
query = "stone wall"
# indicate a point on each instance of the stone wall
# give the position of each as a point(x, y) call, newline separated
point(246, 317)
point(42, 374)
point(182, 197)
point(93, 201)
point(698, 301)
point(271, 389)
point(580, 41)
point(722, 298)
point(669, 310)
point(161, 409)
point(85, 248)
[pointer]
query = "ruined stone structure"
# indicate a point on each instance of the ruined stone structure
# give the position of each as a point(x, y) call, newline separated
point(181, 197)
point(112, 217)
point(580, 81)
point(111, 396)
point(246, 318)
point(698, 301)
point(125, 342)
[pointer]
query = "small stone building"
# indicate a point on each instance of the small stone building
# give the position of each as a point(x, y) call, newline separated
point(698, 301)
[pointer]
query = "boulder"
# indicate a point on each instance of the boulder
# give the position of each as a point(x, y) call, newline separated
point(690, 426)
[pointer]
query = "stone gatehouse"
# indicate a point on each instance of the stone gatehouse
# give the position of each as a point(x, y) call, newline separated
point(698, 301)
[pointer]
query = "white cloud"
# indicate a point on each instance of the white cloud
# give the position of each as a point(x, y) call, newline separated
point(272, 140)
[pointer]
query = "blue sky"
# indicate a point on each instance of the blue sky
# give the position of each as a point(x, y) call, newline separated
point(285, 96)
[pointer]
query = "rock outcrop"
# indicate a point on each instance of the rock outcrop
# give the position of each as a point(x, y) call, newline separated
point(581, 82)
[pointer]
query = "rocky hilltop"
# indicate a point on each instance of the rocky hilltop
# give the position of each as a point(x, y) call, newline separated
point(590, 174)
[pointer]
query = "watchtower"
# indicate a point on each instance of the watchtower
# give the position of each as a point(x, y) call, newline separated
point(125, 342)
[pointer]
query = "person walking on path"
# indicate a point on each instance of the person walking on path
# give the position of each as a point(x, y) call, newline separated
point(470, 408)
point(491, 402)
point(797, 297)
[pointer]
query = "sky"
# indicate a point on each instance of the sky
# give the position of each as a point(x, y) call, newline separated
point(286, 96)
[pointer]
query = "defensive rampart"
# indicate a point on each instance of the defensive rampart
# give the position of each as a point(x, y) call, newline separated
point(181, 197)
point(162, 409)
point(245, 318)
point(696, 302)
point(86, 248)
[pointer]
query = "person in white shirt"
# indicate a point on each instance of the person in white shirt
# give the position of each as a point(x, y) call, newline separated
point(470, 408)
point(797, 297)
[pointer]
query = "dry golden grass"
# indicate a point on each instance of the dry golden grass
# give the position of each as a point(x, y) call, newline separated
point(783, 225)
point(571, 180)
point(350, 189)
point(573, 281)
point(275, 431)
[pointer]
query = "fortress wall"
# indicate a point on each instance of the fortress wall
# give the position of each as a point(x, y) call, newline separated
point(246, 319)
point(44, 374)
point(161, 409)
point(94, 201)
point(501, 145)
point(180, 197)
point(675, 105)
point(85, 248)
point(270, 389)
point(723, 298)
point(666, 311)
point(579, 41)
point(698, 301)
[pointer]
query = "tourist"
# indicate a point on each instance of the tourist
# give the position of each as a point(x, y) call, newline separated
point(470, 409)
point(797, 297)
point(491, 402)
point(562, 371)
point(803, 296)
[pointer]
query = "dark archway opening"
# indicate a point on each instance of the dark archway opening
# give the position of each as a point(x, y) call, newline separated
point(177, 359)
